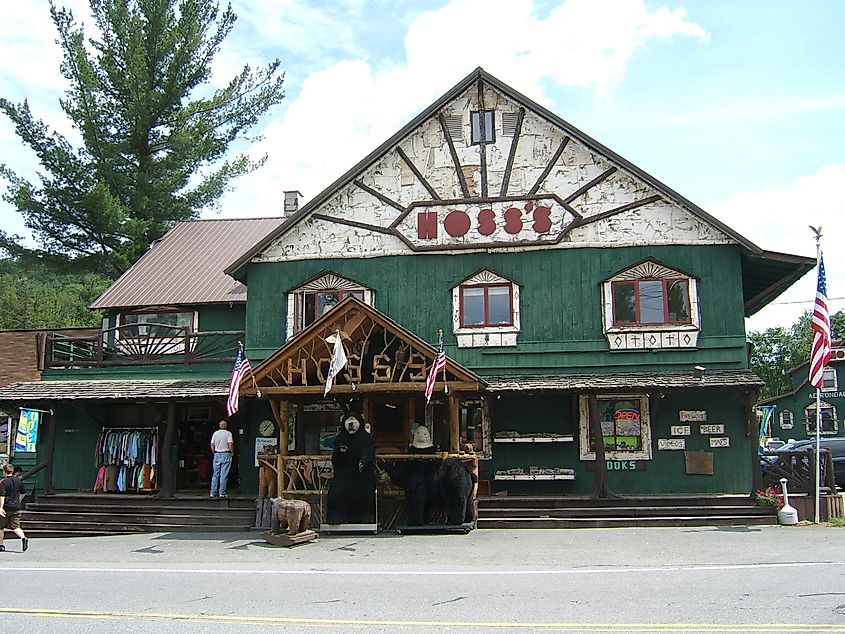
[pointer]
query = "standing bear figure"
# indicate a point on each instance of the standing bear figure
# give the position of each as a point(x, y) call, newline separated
point(351, 497)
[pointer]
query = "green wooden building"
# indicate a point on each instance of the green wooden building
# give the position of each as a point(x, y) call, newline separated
point(592, 319)
point(794, 416)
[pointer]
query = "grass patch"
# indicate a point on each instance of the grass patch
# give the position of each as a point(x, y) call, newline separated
point(838, 522)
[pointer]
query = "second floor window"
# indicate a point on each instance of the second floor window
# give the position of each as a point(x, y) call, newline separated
point(639, 302)
point(829, 379)
point(318, 303)
point(486, 305)
point(162, 324)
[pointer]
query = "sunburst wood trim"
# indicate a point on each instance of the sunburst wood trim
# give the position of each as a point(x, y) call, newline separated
point(506, 179)
point(550, 166)
point(352, 223)
point(379, 195)
point(434, 195)
point(455, 160)
point(581, 190)
point(620, 209)
point(482, 145)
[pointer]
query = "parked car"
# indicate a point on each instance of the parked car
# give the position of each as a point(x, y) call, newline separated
point(836, 446)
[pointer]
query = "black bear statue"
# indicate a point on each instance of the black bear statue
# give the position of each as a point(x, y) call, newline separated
point(351, 496)
point(430, 483)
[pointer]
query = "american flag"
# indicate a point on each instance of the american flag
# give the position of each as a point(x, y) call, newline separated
point(239, 371)
point(820, 355)
point(436, 367)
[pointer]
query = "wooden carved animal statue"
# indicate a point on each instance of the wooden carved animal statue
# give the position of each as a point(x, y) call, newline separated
point(293, 515)
point(267, 477)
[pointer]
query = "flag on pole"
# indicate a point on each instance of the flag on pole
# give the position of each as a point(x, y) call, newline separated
point(239, 370)
point(438, 365)
point(338, 361)
point(820, 355)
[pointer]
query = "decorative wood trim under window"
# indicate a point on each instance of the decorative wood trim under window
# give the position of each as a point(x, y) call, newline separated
point(485, 334)
point(670, 318)
point(641, 447)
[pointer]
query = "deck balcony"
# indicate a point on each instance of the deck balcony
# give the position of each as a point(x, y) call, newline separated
point(137, 345)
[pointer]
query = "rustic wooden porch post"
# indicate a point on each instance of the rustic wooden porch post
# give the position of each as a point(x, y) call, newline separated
point(454, 424)
point(753, 433)
point(166, 471)
point(51, 448)
point(601, 489)
point(281, 412)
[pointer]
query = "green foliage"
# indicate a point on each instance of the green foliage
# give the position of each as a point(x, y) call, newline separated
point(779, 350)
point(33, 298)
point(154, 135)
point(837, 522)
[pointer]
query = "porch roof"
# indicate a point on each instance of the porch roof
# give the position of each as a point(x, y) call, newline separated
point(618, 382)
point(133, 390)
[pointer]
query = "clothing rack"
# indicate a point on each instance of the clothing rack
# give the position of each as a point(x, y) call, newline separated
point(126, 459)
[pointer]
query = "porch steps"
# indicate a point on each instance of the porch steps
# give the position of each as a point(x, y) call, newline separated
point(566, 512)
point(78, 515)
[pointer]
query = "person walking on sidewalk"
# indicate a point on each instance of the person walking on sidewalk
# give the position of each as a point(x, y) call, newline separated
point(222, 446)
point(12, 492)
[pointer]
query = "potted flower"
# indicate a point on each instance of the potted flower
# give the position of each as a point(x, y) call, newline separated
point(771, 496)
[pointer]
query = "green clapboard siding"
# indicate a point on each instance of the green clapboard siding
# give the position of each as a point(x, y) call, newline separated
point(665, 472)
point(561, 303)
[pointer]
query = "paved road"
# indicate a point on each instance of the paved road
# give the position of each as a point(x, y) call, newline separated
point(767, 579)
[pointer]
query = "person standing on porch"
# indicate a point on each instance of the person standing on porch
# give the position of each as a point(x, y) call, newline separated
point(222, 446)
point(12, 492)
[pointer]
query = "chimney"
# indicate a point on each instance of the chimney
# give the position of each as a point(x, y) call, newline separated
point(291, 202)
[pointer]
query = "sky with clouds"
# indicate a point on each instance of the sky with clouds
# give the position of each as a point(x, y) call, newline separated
point(738, 106)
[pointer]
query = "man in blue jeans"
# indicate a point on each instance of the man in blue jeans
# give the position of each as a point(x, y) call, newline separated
point(222, 446)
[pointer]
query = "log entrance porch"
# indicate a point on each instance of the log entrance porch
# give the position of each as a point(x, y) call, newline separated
point(384, 381)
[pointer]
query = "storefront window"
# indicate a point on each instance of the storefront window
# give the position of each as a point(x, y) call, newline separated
point(624, 424)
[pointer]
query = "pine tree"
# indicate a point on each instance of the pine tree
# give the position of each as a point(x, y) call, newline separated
point(154, 134)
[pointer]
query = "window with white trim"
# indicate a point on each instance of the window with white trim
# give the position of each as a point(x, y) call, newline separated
point(625, 426)
point(649, 306)
point(829, 381)
point(312, 300)
point(485, 311)
point(829, 423)
point(786, 419)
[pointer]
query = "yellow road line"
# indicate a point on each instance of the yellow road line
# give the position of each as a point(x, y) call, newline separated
point(577, 627)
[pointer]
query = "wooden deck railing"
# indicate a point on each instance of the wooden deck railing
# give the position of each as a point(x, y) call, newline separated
point(299, 474)
point(145, 344)
point(799, 468)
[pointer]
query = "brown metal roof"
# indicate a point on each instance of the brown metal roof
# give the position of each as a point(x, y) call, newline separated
point(713, 379)
point(186, 265)
point(113, 390)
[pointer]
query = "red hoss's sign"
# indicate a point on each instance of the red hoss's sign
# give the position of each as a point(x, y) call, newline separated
point(498, 222)
point(513, 220)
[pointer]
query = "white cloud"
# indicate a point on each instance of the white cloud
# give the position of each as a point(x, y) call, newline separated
point(346, 109)
point(778, 219)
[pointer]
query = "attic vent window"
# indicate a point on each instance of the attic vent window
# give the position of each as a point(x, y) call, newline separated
point(455, 127)
point(509, 120)
point(488, 132)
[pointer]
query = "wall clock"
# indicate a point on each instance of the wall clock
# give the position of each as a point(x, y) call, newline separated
point(266, 428)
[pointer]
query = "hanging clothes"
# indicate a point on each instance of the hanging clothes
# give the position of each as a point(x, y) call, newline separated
point(126, 459)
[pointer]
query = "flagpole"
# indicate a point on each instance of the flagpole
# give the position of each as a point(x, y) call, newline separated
point(818, 409)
